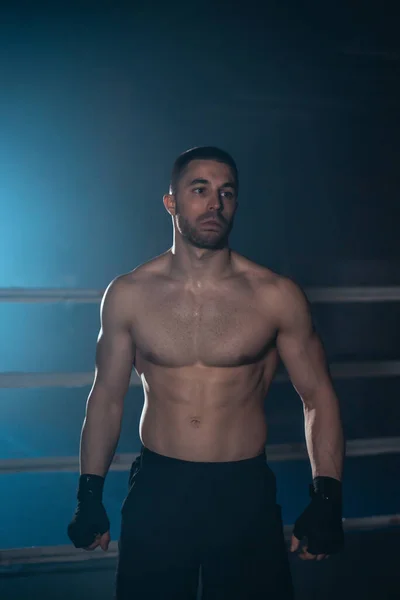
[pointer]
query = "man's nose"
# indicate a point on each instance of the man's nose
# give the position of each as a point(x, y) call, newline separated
point(215, 202)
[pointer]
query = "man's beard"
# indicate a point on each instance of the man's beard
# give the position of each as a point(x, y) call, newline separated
point(211, 240)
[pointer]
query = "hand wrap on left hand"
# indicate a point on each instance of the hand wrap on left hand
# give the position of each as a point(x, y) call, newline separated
point(321, 522)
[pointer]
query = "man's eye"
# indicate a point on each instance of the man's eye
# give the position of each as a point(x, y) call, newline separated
point(198, 190)
point(227, 194)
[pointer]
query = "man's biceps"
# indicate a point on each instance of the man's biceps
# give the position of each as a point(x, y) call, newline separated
point(112, 378)
point(289, 347)
point(300, 343)
point(116, 344)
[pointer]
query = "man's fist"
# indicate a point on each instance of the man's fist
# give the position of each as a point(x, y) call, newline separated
point(321, 522)
point(90, 526)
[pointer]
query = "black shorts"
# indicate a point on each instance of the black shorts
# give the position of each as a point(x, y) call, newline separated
point(179, 516)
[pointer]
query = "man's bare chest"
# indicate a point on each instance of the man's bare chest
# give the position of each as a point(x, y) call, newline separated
point(210, 329)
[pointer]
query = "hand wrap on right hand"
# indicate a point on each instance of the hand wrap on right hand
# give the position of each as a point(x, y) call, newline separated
point(321, 522)
point(90, 518)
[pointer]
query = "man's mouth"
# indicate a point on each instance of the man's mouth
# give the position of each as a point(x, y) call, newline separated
point(212, 224)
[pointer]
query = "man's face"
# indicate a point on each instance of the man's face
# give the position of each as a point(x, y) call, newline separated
point(206, 201)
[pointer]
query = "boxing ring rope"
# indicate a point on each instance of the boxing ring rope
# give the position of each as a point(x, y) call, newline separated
point(123, 462)
point(279, 452)
point(23, 557)
point(349, 370)
point(92, 296)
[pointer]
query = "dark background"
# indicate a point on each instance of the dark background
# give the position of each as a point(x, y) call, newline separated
point(96, 101)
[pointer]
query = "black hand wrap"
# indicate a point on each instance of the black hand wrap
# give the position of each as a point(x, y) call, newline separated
point(90, 518)
point(321, 522)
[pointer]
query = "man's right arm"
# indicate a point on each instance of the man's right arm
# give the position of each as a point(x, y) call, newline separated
point(114, 361)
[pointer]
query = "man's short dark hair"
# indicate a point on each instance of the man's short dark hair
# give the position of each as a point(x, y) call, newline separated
point(201, 153)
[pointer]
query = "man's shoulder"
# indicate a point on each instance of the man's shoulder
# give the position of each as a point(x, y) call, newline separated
point(286, 299)
point(273, 287)
point(147, 272)
point(151, 269)
point(260, 276)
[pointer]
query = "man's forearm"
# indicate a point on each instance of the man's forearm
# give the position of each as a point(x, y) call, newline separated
point(100, 435)
point(324, 434)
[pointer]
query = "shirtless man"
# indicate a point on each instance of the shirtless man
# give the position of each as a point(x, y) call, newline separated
point(204, 328)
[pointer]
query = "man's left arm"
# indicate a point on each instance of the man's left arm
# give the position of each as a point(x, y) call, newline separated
point(304, 358)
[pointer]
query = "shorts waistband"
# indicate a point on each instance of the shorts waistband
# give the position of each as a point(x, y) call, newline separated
point(149, 457)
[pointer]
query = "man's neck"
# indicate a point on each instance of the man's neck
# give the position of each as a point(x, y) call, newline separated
point(198, 265)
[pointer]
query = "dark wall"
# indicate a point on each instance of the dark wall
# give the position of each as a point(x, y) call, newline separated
point(96, 104)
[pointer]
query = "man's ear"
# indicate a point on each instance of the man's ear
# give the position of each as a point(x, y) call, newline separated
point(170, 203)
